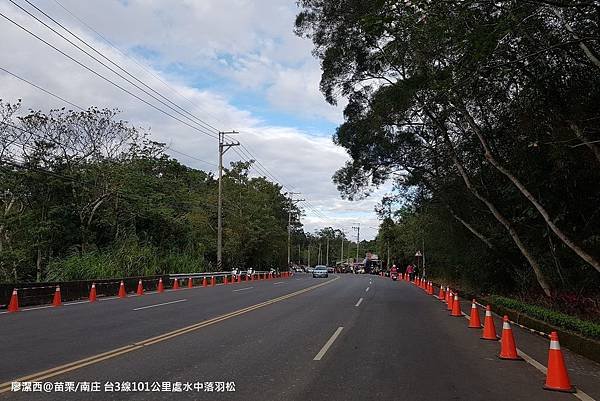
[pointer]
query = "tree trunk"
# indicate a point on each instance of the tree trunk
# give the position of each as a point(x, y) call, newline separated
point(559, 233)
point(495, 212)
point(589, 54)
point(38, 264)
point(585, 140)
point(471, 229)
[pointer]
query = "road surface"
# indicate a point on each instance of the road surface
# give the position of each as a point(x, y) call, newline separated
point(348, 337)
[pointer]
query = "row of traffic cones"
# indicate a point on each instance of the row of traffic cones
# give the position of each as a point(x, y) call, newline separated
point(13, 305)
point(557, 378)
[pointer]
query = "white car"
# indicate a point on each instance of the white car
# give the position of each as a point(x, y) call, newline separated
point(320, 271)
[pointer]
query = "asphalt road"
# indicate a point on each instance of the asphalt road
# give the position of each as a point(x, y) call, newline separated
point(343, 338)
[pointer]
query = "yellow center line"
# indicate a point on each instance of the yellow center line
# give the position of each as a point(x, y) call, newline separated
point(4, 387)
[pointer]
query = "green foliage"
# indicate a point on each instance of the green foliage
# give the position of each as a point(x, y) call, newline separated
point(454, 102)
point(568, 322)
point(128, 259)
point(92, 197)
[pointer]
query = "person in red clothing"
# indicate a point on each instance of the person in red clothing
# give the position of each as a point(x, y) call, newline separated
point(394, 272)
point(410, 270)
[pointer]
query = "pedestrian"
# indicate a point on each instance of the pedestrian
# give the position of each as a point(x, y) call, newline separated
point(410, 270)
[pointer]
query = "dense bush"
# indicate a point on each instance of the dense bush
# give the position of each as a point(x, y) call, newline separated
point(564, 321)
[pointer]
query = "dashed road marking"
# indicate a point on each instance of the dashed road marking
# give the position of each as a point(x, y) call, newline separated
point(164, 303)
point(243, 289)
point(328, 344)
point(359, 302)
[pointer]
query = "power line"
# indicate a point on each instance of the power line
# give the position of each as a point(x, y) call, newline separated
point(40, 88)
point(201, 130)
point(75, 150)
point(139, 64)
point(275, 179)
point(106, 79)
point(262, 170)
point(198, 120)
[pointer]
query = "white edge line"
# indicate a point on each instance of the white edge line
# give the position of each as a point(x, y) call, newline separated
point(579, 394)
point(243, 289)
point(359, 302)
point(279, 282)
point(328, 344)
point(164, 303)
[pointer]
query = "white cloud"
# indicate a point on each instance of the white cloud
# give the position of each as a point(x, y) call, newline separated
point(258, 49)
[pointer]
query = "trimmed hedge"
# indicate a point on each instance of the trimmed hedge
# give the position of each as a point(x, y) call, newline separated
point(564, 321)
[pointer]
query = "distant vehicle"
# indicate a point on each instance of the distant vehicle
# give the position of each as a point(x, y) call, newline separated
point(320, 271)
point(298, 269)
point(330, 270)
point(310, 269)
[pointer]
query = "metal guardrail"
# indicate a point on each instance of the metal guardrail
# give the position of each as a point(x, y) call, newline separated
point(216, 274)
point(42, 293)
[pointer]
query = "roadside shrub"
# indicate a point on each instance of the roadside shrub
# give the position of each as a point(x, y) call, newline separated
point(562, 320)
point(130, 258)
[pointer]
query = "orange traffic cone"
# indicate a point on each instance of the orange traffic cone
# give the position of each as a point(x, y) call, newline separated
point(57, 301)
point(13, 306)
point(474, 322)
point(450, 301)
point(447, 299)
point(246, 277)
point(190, 282)
point(489, 329)
point(557, 378)
point(161, 287)
point(140, 288)
point(93, 293)
point(224, 279)
point(122, 293)
point(239, 278)
point(456, 306)
point(212, 281)
point(442, 293)
point(508, 349)
point(204, 282)
point(175, 284)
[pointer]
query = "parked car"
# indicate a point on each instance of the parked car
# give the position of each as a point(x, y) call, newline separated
point(330, 269)
point(320, 271)
point(310, 269)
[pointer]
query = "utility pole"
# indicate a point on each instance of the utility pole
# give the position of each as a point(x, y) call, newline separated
point(357, 228)
point(327, 255)
point(320, 252)
point(223, 147)
point(299, 255)
point(309, 254)
point(289, 245)
point(342, 253)
point(388, 254)
point(423, 256)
